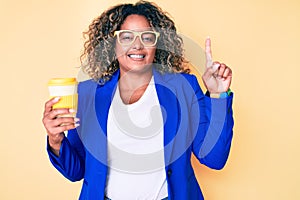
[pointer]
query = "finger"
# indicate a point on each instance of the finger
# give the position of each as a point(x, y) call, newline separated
point(53, 127)
point(215, 69)
point(52, 119)
point(54, 132)
point(61, 121)
point(61, 111)
point(50, 103)
point(227, 72)
point(221, 70)
point(208, 53)
point(211, 71)
point(66, 127)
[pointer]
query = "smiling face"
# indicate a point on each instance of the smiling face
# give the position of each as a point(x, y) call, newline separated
point(135, 57)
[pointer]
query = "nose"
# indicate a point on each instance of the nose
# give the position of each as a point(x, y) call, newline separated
point(137, 44)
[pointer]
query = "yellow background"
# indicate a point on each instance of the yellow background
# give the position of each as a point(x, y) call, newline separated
point(259, 40)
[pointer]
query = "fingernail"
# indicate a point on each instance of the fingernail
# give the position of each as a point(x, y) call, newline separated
point(76, 120)
point(215, 66)
point(56, 99)
point(72, 110)
point(76, 125)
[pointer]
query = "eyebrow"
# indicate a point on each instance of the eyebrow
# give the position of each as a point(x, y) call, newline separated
point(139, 29)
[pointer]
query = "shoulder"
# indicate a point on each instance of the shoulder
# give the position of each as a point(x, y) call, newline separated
point(87, 83)
point(177, 79)
point(87, 86)
point(189, 77)
point(179, 83)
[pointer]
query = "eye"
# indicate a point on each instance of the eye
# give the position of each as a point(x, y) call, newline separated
point(149, 37)
point(126, 37)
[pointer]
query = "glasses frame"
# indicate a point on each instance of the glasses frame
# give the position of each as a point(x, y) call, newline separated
point(139, 34)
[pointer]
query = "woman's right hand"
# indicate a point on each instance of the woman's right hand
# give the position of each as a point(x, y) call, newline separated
point(55, 125)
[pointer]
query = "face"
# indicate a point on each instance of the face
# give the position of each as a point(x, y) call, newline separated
point(135, 57)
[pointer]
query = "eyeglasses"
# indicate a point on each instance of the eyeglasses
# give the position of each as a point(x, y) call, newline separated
point(127, 37)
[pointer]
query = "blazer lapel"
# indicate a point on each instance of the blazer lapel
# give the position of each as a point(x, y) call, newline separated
point(169, 105)
point(104, 96)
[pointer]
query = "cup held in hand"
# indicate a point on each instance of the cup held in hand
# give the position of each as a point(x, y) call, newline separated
point(66, 89)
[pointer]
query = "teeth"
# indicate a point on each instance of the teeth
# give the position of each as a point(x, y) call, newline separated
point(136, 56)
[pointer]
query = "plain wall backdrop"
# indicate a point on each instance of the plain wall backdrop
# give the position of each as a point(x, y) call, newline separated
point(259, 40)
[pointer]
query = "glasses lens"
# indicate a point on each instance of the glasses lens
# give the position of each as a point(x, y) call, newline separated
point(148, 38)
point(126, 37)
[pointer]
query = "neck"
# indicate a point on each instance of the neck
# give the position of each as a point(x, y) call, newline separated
point(133, 85)
point(133, 80)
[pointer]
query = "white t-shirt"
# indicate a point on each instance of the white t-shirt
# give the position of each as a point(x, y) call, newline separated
point(135, 149)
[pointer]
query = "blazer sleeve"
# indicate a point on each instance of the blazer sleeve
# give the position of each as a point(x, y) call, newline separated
point(214, 129)
point(70, 162)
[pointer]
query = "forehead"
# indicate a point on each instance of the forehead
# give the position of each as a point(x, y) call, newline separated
point(135, 22)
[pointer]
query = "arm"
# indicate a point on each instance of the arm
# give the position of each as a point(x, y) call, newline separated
point(213, 138)
point(212, 142)
point(71, 160)
point(66, 154)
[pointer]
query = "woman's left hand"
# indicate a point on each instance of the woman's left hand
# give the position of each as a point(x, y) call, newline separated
point(217, 76)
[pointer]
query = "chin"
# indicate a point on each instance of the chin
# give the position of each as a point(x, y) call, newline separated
point(140, 68)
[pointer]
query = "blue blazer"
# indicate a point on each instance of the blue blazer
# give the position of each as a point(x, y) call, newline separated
point(193, 123)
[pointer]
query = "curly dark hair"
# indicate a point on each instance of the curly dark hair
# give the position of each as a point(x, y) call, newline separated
point(99, 60)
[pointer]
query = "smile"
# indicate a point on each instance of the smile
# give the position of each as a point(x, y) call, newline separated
point(138, 56)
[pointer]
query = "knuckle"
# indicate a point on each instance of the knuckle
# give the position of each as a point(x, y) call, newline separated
point(60, 111)
point(55, 113)
point(69, 127)
point(46, 123)
point(59, 130)
point(48, 104)
point(54, 132)
point(64, 119)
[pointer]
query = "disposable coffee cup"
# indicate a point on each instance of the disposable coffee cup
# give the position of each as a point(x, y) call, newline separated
point(66, 89)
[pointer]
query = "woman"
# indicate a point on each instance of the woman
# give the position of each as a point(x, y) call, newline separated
point(142, 115)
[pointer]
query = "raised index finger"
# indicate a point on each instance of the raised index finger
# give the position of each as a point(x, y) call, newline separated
point(208, 55)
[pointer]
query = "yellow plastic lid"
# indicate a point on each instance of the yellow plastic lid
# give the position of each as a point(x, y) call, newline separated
point(62, 81)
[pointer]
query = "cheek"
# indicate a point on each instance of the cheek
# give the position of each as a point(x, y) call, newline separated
point(119, 50)
point(151, 53)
